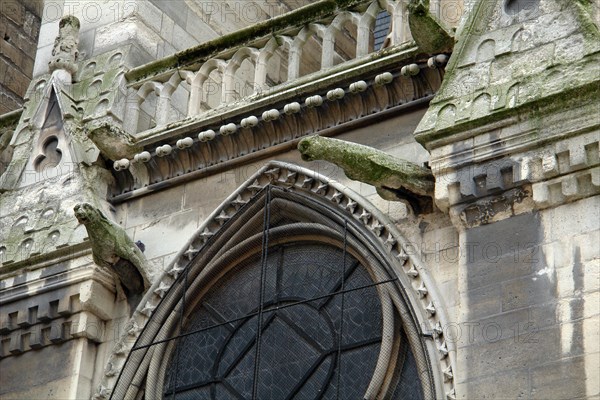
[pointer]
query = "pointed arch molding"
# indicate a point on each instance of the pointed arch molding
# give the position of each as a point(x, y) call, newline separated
point(416, 297)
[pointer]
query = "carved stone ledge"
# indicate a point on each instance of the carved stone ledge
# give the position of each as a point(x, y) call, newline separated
point(78, 325)
point(566, 165)
point(566, 189)
point(206, 152)
point(12, 319)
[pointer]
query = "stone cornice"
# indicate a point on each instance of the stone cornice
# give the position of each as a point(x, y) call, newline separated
point(37, 281)
point(531, 130)
point(69, 326)
point(467, 128)
point(234, 136)
point(550, 174)
point(53, 305)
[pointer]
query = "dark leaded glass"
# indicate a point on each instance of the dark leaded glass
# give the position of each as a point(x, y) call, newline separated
point(382, 29)
point(301, 355)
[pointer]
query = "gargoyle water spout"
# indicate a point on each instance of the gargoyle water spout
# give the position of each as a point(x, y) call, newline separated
point(395, 179)
point(113, 249)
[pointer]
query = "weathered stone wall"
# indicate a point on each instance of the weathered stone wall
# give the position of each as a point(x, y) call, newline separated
point(19, 30)
point(571, 252)
point(513, 250)
point(529, 313)
point(514, 147)
point(154, 29)
point(55, 320)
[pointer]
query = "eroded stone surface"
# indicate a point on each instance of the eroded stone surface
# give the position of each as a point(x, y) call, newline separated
point(394, 178)
point(511, 257)
point(113, 249)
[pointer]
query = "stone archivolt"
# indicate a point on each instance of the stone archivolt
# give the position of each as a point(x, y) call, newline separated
point(412, 273)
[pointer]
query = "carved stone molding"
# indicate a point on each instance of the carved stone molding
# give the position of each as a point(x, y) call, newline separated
point(65, 52)
point(57, 300)
point(236, 137)
point(562, 171)
point(486, 211)
point(81, 324)
point(46, 312)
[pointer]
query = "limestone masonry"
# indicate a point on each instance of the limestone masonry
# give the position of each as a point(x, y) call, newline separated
point(345, 199)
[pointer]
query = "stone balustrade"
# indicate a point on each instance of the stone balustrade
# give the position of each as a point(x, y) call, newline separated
point(281, 50)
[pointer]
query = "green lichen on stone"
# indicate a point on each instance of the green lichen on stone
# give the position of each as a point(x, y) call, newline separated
point(302, 16)
point(70, 20)
point(5, 137)
point(8, 123)
point(394, 178)
point(546, 72)
point(10, 118)
point(113, 249)
point(427, 31)
point(585, 14)
point(112, 141)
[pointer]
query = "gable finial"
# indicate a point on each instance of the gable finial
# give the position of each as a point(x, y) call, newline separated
point(65, 53)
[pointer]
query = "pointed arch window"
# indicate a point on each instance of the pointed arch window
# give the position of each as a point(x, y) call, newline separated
point(299, 309)
point(320, 334)
point(294, 290)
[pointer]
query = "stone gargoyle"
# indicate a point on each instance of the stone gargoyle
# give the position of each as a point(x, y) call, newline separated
point(395, 179)
point(113, 249)
point(427, 30)
point(112, 141)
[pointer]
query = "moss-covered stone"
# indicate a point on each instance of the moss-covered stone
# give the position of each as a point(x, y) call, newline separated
point(427, 31)
point(113, 249)
point(112, 141)
point(394, 178)
point(8, 123)
point(516, 71)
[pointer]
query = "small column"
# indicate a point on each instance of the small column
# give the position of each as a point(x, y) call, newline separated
point(165, 91)
point(195, 82)
point(362, 39)
point(294, 61)
point(132, 112)
point(328, 48)
point(227, 94)
point(260, 75)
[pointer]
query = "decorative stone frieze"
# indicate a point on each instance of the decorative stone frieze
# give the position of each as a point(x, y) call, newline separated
point(558, 172)
point(255, 136)
point(51, 310)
